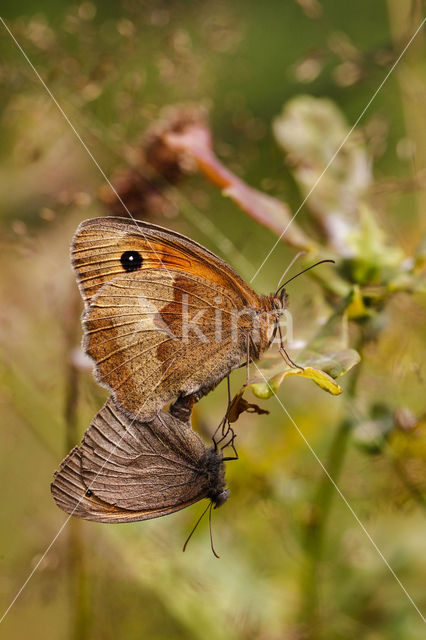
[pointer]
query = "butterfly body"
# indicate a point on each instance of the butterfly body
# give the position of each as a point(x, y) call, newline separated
point(128, 470)
point(164, 318)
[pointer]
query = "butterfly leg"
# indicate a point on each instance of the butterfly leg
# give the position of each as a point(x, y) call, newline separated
point(228, 382)
point(248, 360)
point(225, 428)
point(232, 445)
point(284, 353)
point(223, 439)
point(223, 433)
point(222, 423)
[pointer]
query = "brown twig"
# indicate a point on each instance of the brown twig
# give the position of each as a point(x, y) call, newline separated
point(195, 142)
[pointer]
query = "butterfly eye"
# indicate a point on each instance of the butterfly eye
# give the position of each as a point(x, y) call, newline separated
point(131, 260)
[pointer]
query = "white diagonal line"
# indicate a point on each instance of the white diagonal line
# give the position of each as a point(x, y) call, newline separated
point(345, 500)
point(78, 136)
point(257, 272)
point(187, 208)
point(330, 162)
point(69, 516)
point(84, 145)
point(206, 227)
point(34, 569)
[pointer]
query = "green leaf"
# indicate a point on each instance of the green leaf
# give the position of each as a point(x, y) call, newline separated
point(334, 364)
point(326, 358)
point(374, 259)
point(310, 131)
point(329, 350)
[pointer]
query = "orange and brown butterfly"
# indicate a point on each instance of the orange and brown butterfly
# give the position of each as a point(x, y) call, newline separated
point(127, 470)
point(165, 319)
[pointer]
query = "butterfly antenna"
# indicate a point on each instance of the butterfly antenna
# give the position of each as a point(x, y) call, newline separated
point(211, 533)
point(196, 525)
point(300, 273)
point(289, 266)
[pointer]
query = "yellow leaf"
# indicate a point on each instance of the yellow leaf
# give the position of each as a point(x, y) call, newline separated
point(268, 388)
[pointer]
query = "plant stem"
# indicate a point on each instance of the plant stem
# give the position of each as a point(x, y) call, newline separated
point(79, 584)
point(78, 575)
point(313, 541)
point(316, 528)
point(404, 18)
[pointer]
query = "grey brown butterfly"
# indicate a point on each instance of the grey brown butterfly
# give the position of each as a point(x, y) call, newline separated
point(127, 470)
point(165, 319)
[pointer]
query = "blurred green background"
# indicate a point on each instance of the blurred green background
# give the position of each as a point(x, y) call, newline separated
point(294, 563)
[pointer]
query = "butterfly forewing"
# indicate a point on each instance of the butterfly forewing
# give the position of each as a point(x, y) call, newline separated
point(99, 244)
point(164, 317)
point(125, 471)
point(155, 461)
point(140, 331)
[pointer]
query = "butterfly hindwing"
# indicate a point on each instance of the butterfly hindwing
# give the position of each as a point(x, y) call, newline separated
point(157, 462)
point(153, 340)
point(126, 470)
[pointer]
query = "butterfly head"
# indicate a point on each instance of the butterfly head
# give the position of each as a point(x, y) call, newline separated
point(279, 300)
point(220, 498)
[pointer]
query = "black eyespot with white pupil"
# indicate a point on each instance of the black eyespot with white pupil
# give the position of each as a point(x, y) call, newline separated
point(88, 493)
point(131, 261)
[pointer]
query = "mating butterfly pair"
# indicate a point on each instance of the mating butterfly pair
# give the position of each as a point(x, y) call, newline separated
point(165, 321)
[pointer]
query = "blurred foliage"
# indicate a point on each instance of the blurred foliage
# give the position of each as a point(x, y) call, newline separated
point(276, 86)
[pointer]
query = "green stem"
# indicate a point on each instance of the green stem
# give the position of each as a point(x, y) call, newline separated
point(78, 574)
point(404, 18)
point(79, 583)
point(316, 526)
point(315, 531)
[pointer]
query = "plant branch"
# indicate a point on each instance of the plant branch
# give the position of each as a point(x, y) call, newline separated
point(79, 579)
point(315, 532)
